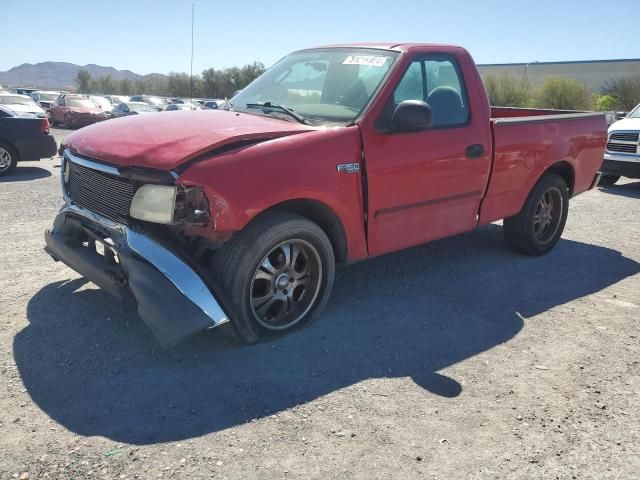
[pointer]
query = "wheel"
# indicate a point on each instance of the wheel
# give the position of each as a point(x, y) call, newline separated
point(608, 180)
point(51, 119)
point(275, 275)
point(539, 225)
point(8, 159)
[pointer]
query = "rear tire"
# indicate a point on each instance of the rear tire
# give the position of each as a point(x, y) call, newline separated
point(608, 180)
point(274, 276)
point(8, 159)
point(539, 225)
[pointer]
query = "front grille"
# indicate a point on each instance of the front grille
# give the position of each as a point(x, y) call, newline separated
point(625, 136)
point(622, 147)
point(100, 192)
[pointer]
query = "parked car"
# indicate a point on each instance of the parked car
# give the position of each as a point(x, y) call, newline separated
point(181, 106)
point(103, 103)
point(116, 99)
point(622, 154)
point(24, 90)
point(23, 138)
point(76, 111)
point(213, 104)
point(21, 105)
point(132, 108)
point(44, 98)
point(158, 102)
point(211, 217)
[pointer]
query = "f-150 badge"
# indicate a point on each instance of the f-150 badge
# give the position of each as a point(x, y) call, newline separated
point(348, 167)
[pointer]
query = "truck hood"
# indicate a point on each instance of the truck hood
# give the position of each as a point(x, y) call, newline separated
point(625, 124)
point(167, 139)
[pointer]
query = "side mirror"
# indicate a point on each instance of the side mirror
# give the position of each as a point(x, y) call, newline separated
point(411, 116)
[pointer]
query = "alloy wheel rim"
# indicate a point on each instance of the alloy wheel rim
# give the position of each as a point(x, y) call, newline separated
point(285, 284)
point(548, 214)
point(5, 160)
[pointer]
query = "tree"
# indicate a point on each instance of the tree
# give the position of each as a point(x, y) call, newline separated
point(507, 91)
point(606, 103)
point(564, 94)
point(83, 80)
point(626, 92)
point(124, 87)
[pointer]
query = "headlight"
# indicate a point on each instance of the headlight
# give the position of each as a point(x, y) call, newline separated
point(154, 203)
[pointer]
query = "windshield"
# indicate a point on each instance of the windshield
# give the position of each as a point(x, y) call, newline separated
point(635, 113)
point(101, 102)
point(332, 85)
point(16, 100)
point(80, 102)
point(156, 101)
point(47, 97)
point(142, 107)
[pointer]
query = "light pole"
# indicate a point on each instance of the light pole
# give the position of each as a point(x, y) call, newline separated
point(191, 73)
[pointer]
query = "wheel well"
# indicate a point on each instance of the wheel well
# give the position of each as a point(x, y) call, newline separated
point(324, 217)
point(11, 147)
point(565, 170)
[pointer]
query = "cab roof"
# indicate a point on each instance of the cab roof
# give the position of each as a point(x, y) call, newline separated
point(395, 46)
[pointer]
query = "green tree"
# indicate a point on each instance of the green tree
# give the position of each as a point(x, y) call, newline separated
point(83, 81)
point(124, 87)
point(626, 91)
point(508, 91)
point(564, 94)
point(606, 103)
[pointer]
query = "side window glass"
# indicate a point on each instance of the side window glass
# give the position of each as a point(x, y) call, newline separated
point(446, 92)
point(411, 85)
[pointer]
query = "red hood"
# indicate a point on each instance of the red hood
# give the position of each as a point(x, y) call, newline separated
point(73, 110)
point(167, 139)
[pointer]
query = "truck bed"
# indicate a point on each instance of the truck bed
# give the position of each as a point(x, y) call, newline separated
point(527, 141)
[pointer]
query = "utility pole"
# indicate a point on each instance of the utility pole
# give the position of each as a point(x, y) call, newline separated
point(191, 75)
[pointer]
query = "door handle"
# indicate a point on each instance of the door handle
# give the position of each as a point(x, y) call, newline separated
point(474, 151)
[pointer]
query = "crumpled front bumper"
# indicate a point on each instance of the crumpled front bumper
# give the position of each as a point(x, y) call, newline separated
point(173, 300)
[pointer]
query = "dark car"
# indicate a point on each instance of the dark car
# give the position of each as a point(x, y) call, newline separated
point(23, 138)
point(180, 106)
point(158, 102)
point(213, 104)
point(124, 109)
point(76, 111)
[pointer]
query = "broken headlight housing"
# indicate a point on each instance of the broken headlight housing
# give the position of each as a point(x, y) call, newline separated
point(170, 205)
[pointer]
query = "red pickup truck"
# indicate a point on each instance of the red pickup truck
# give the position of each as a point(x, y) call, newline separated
point(335, 154)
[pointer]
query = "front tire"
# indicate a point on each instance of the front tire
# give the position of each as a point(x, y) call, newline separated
point(608, 180)
point(8, 159)
point(275, 275)
point(540, 223)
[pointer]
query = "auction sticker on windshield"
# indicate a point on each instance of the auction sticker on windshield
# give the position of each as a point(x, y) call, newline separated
point(370, 60)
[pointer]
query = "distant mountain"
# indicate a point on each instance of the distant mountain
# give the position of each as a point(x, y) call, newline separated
point(60, 74)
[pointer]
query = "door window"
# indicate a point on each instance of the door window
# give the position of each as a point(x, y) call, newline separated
point(436, 80)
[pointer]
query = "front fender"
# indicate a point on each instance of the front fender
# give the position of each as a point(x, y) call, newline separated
point(245, 182)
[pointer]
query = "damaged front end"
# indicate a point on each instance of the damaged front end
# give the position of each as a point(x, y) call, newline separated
point(93, 235)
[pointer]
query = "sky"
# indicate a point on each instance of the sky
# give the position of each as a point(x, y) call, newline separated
point(148, 36)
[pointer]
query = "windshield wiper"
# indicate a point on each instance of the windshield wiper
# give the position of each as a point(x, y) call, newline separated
point(282, 108)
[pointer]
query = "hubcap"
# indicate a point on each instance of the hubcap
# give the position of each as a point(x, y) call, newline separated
point(5, 160)
point(548, 215)
point(286, 284)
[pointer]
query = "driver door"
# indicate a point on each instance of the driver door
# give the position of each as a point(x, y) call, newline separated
point(428, 184)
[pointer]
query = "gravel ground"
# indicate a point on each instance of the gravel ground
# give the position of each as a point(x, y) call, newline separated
point(457, 359)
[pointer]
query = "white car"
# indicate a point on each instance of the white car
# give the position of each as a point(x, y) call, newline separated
point(102, 102)
point(21, 105)
point(622, 154)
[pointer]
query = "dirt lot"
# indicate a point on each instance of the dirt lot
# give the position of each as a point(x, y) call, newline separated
point(458, 359)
